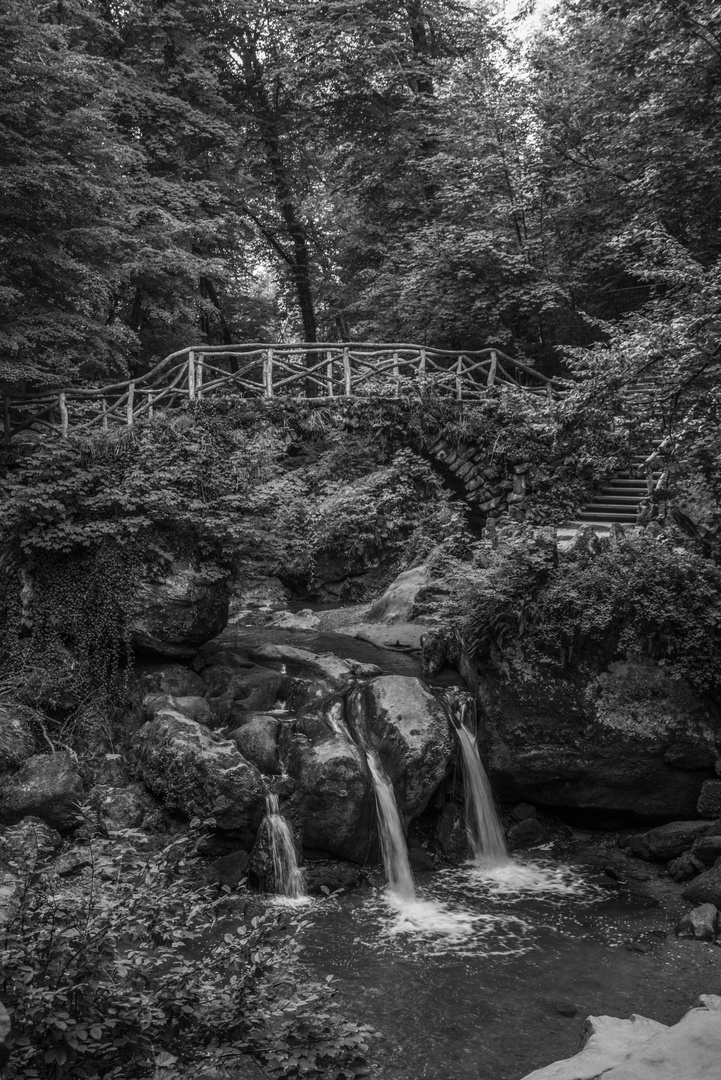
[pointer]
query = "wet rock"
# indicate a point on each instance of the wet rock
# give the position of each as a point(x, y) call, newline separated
point(194, 707)
point(122, 807)
point(523, 811)
point(668, 841)
point(591, 737)
point(397, 602)
point(179, 611)
point(17, 742)
point(706, 888)
point(298, 620)
point(303, 664)
point(332, 876)
point(363, 671)
point(708, 849)
point(420, 860)
point(73, 861)
point(639, 1048)
point(409, 728)
point(527, 833)
point(199, 775)
point(685, 867)
point(230, 870)
point(28, 844)
point(701, 923)
point(567, 1008)
point(257, 742)
point(451, 832)
point(173, 679)
point(333, 799)
point(237, 687)
point(638, 945)
point(709, 801)
point(48, 786)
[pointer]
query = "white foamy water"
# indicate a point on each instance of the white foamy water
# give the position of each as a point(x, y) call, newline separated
point(515, 880)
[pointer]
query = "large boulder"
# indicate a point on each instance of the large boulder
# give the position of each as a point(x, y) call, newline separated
point(178, 612)
point(641, 1049)
point(17, 743)
point(49, 787)
point(706, 888)
point(409, 728)
point(194, 707)
point(237, 687)
point(302, 664)
point(124, 807)
point(176, 679)
point(668, 841)
point(28, 844)
point(257, 741)
point(333, 800)
point(199, 775)
point(614, 744)
point(397, 602)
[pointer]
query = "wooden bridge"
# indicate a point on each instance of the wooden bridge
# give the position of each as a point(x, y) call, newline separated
point(317, 372)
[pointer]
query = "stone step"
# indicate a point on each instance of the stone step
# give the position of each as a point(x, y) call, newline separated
point(608, 514)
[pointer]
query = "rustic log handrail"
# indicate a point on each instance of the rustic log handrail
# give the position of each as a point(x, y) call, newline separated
point(269, 369)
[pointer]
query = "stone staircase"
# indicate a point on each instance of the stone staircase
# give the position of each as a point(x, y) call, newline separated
point(620, 499)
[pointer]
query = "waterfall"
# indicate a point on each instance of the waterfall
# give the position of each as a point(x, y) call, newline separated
point(286, 872)
point(484, 830)
point(394, 849)
point(393, 843)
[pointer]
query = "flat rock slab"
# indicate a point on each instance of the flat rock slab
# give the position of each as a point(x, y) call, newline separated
point(643, 1049)
point(401, 636)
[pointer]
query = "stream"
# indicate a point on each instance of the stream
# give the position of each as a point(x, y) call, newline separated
point(489, 972)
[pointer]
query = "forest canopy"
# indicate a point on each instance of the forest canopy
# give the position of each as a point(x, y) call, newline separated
point(206, 171)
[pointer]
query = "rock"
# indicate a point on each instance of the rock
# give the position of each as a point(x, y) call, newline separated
point(257, 742)
point(706, 888)
point(668, 841)
point(685, 867)
point(332, 876)
point(523, 811)
point(28, 844)
point(230, 870)
point(122, 807)
point(451, 832)
point(420, 860)
point(194, 707)
point(708, 849)
point(73, 861)
point(701, 923)
point(302, 664)
point(109, 769)
point(259, 592)
point(397, 602)
point(17, 742)
point(178, 612)
point(12, 888)
point(527, 833)
point(641, 1049)
point(592, 737)
point(295, 620)
point(363, 671)
point(439, 648)
point(709, 801)
point(48, 786)
point(196, 774)
point(173, 679)
point(409, 728)
point(237, 687)
point(333, 801)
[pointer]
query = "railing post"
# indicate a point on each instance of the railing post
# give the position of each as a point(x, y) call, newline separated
point(129, 406)
point(199, 375)
point(151, 399)
point(396, 375)
point(63, 416)
point(104, 422)
point(347, 386)
point(422, 365)
point(492, 369)
point(329, 373)
point(459, 381)
point(191, 376)
point(549, 391)
point(268, 374)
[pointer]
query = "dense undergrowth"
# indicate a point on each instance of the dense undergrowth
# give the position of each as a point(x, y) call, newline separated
point(141, 974)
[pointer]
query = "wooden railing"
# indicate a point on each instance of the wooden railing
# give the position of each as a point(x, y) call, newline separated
point(318, 372)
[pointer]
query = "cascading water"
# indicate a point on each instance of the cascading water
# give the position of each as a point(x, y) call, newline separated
point(484, 830)
point(286, 872)
point(393, 843)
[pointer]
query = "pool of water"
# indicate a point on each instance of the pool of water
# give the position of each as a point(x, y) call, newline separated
point(489, 975)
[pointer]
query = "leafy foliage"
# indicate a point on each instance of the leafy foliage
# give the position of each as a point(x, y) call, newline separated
point(144, 975)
